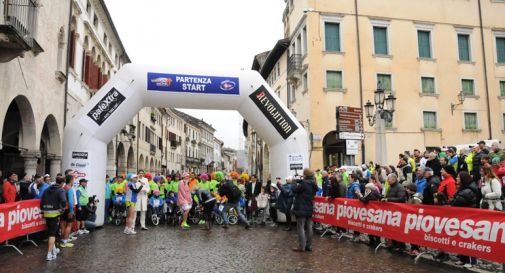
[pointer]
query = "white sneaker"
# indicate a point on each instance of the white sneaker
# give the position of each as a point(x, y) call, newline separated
point(85, 231)
point(80, 232)
point(126, 231)
point(132, 232)
point(468, 265)
point(50, 257)
point(56, 251)
point(71, 238)
point(73, 234)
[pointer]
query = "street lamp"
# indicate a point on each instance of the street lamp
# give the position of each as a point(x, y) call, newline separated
point(381, 112)
point(384, 109)
point(461, 99)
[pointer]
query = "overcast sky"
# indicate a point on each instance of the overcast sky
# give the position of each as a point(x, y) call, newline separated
point(203, 33)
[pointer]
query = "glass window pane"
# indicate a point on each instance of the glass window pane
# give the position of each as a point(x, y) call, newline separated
point(502, 88)
point(470, 121)
point(380, 40)
point(385, 81)
point(332, 36)
point(305, 82)
point(503, 121)
point(430, 120)
point(333, 79)
point(428, 85)
point(500, 49)
point(464, 47)
point(468, 87)
point(423, 40)
point(388, 124)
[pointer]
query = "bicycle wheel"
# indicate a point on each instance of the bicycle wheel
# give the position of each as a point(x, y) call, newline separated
point(117, 221)
point(219, 219)
point(155, 219)
point(233, 219)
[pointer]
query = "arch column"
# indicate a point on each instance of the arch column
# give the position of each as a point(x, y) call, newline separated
point(54, 165)
point(31, 162)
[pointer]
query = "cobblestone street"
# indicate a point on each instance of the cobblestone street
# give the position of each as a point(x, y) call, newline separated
point(167, 249)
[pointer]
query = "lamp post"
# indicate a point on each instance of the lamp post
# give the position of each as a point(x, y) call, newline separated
point(384, 109)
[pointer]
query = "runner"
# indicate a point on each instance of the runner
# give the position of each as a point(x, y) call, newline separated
point(52, 203)
point(82, 203)
point(184, 199)
point(67, 219)
point(131, 199)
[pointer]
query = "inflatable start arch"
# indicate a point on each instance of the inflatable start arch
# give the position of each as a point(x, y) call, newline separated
point(134, 87)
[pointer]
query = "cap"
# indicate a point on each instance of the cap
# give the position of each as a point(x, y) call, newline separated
point(133, 176)
point(156, 191)
point(47, 175)
point(428, 169)
point(82, 180)
point(481, 142)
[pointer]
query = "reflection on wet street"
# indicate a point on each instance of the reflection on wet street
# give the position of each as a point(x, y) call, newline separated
point(168, 249)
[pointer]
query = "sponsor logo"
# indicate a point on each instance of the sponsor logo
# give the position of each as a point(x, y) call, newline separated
point(227, 85)
point(162, 81)
point(78, 174)
point(273, 112)
point(79, 165)
point(192, 84)
point(106, 106)
point(80, 155)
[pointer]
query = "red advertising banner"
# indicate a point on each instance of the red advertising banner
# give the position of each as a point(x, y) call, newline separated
point(471, 232)
point(20, 218)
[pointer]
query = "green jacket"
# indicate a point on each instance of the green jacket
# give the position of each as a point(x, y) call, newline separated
point(498, 154)
point(469, 161)
point(319, 179)
point(153, 186)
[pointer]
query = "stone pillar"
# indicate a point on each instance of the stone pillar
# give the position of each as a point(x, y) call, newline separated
point(380, 141)
point(30, 158)
point(55, 165)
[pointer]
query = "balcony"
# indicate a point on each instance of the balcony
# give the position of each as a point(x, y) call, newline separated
point(18, 29)
point(152, 149)
point(295, 67)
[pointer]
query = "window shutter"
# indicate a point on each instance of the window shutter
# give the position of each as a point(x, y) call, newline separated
point(463, 46)
point(380, 40)
point(423, 39)
point(502, 88)
point(71, 58)
point(500, 48)
point(332, 36)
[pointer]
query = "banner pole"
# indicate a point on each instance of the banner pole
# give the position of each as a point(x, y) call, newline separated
point(13, 246)
point(28, 240)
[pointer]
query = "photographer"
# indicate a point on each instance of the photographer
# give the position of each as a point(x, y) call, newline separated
point(89, 224)
point(304, 192)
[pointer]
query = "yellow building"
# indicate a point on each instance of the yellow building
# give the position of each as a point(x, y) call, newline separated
point(423, 52)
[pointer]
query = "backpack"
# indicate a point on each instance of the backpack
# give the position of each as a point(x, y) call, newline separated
point(235, 193)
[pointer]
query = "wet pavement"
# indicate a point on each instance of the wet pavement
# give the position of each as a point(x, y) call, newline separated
point(169, 249)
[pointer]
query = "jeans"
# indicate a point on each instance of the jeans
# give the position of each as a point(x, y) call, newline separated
point(107, 208)
point(236, 206)
point(304, 228)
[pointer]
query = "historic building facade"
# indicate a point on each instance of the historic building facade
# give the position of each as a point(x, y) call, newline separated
point(424, 52)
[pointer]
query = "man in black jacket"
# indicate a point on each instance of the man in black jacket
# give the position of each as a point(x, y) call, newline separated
point(252, 190)
point(304, 192)
point(232, 193)
point(432, 184)
point(395, 194)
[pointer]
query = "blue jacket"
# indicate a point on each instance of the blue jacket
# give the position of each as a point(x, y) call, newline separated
point(42, 189)
point(352, 188)
point(154, 198)
point(171, 199)
point(108, 192)
point(421, 184)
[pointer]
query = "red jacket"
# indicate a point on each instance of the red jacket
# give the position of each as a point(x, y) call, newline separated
point(9, 192)
point(500, 170)
point(448, 186)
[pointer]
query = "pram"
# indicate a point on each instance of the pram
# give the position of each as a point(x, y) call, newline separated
point(118, 209)
point(172, 215)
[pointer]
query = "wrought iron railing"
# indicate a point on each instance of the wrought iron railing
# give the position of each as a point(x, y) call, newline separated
point(22, 15)
point(294, 63)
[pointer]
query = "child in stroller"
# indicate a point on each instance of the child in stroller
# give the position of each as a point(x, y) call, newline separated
point(119, 207)
point(155, 208)
point(172, 210)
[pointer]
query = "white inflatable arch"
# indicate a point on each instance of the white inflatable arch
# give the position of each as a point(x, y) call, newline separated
point(135, 87)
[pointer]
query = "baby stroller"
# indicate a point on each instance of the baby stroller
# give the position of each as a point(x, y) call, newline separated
point(118, 209)
point(172, 214)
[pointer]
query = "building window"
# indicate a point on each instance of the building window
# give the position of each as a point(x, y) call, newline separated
point(380, 38)
point(468, 87)
point(384, 80)
point(95, 21)
point(464, 47)
point(304, 40)
point(428, 85)
point(299, 45)
point(503, 121)
point(429, 120)
point(305, 82)
point(334, 79)
point(88, 7)
point(388, 124)
point(470, 121)
point(424, 43)
point(502, 88)
point(332, 36)
point(500, 49)
point(105, 39)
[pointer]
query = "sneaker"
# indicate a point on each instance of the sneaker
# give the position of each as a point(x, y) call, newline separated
point(80, 232)
point(225, 226)
point(85, 231)
point(72, 238)
point(56, 251)
point(132, 232)
point(73, 234)
point(247, 226)
point(50, 257)
point(414, 252)
point(126, 231)
point(459, 263)
point(67, 244)
point(185, 226)
point(468, 265)
point(287, 229)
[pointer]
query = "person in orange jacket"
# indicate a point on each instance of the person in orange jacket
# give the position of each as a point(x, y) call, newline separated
point(9, 189)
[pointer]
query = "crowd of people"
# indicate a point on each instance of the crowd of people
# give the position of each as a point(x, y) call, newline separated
point(472, 178)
